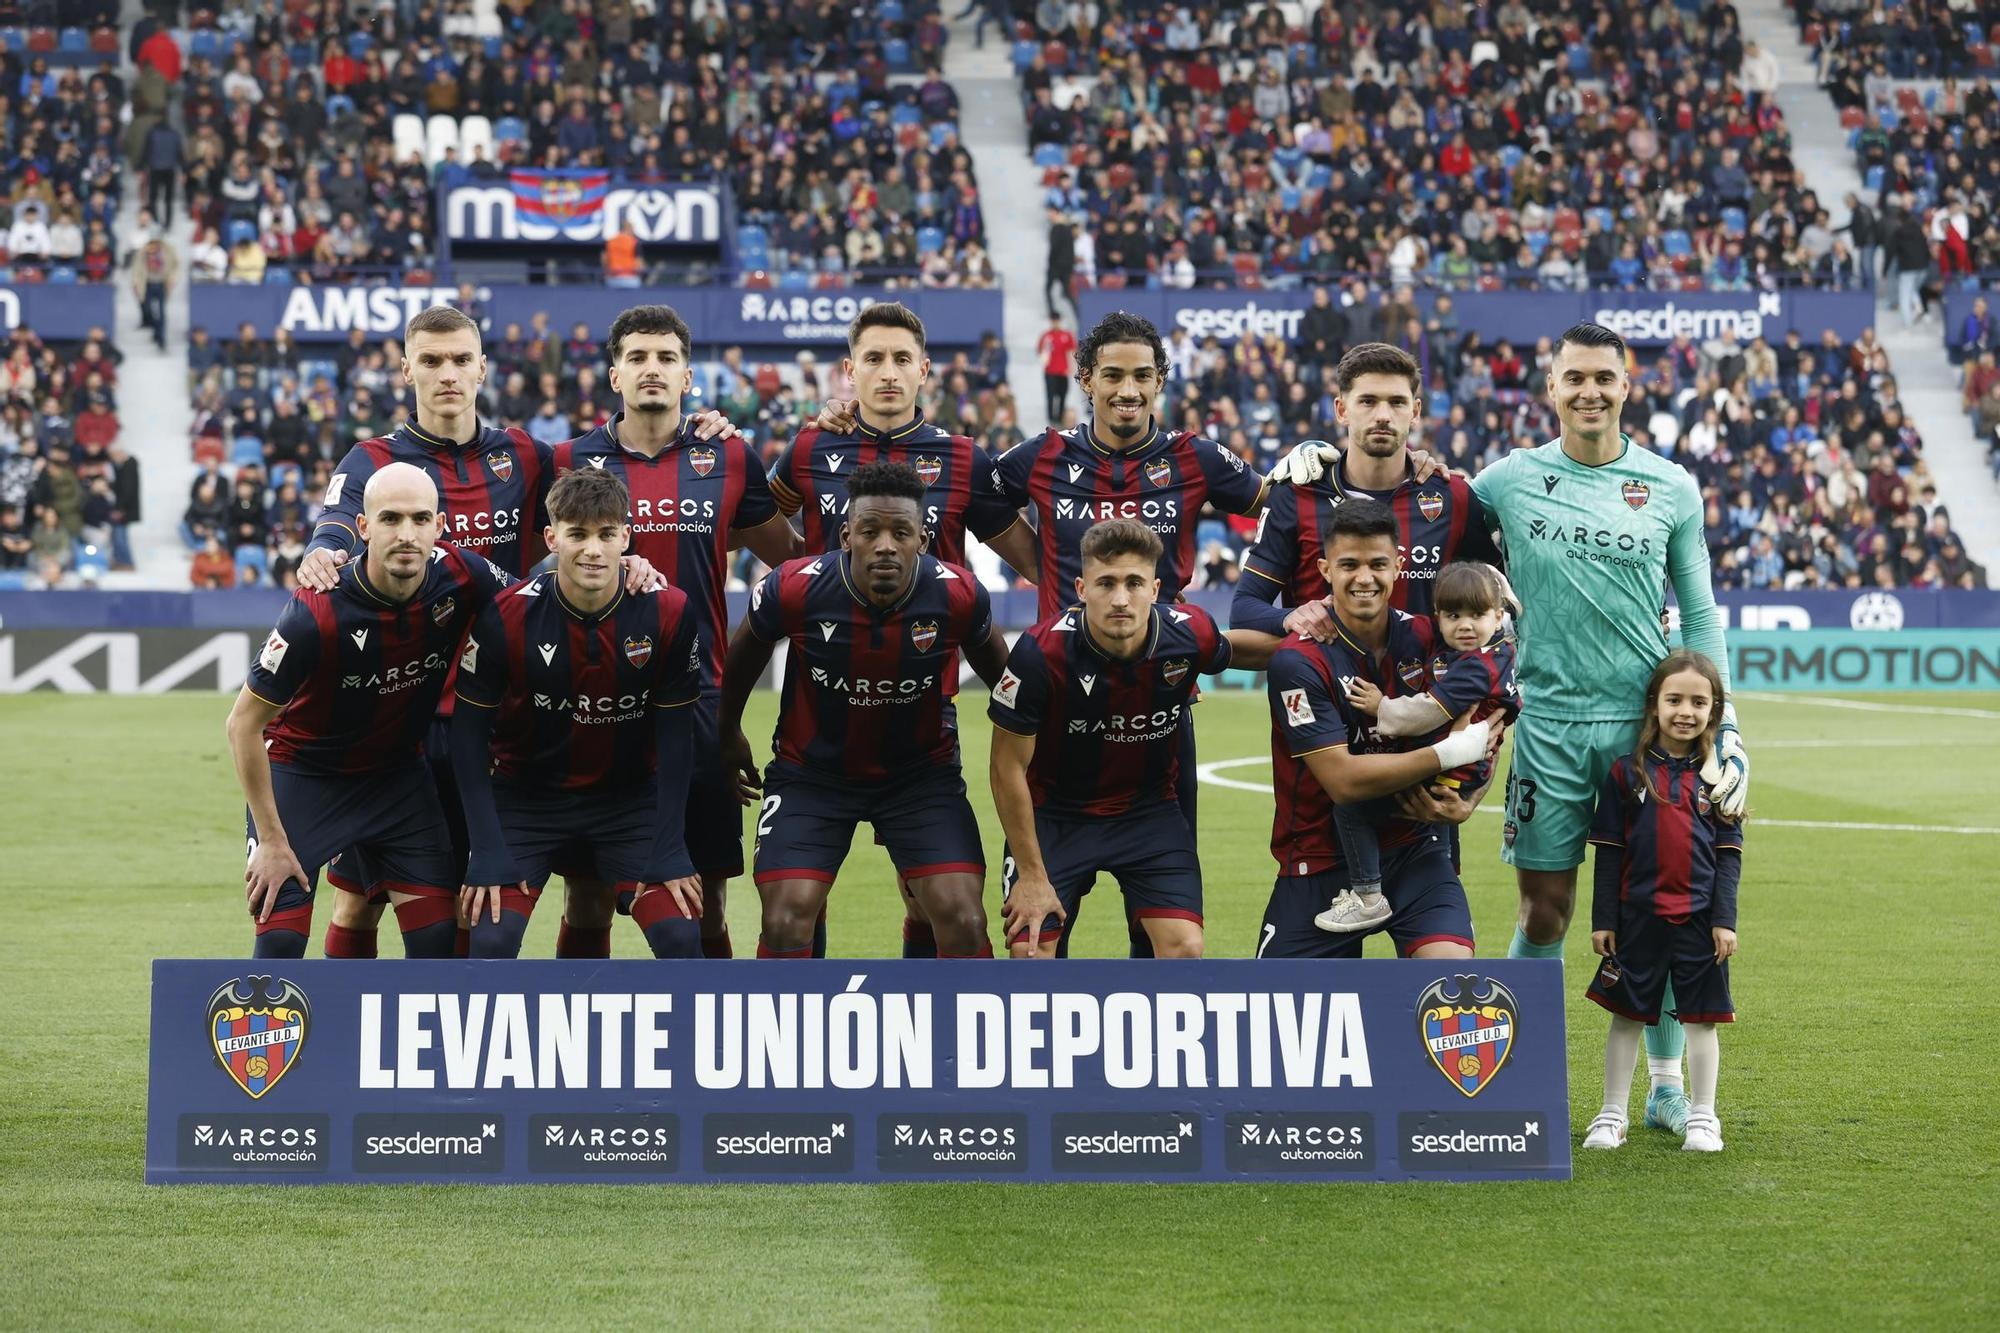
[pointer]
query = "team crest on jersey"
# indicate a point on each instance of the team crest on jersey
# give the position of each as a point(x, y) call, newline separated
point(1174, 672)
point(442, 611)
point(1412, 673)
point(1702, 803)
point(1637, 493)
point(638, 650)
point(923, 634)
point(257, 1028)
point(1159, 472)
point(1468, 1024)
point(702, 461)
point(1430, 504)
point(929, 469)
point(501, 463)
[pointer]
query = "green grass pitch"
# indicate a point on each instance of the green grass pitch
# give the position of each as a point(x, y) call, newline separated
point(1858, 1098)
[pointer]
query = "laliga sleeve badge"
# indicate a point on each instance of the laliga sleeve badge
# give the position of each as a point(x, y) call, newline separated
point(1467, 1024)
point(258, 1027)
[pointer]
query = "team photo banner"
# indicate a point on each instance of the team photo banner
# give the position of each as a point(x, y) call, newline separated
point(306, 1072)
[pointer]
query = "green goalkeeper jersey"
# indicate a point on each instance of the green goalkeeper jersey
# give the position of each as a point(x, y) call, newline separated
point(1589, 550)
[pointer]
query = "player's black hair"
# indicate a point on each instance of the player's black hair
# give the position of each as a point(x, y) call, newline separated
point(1120, 326)
point(1120, 536)
point(893, 481)
point(1361, 516)
point(590, 496)
point(887, 315)
point(1377, 359)
point(647, 319)
point(1588, 334)
point(1673, 663)
point(1469, 587)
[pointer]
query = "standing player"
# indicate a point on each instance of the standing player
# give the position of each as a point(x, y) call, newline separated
point(1593, 526)
point(889, 363)
point(1086, 743)
point(1438, 519)
point(578, 700)
point(493, 485)
point(694, 499)
point(866, 728)
point(1326, 751)
point(327, 732)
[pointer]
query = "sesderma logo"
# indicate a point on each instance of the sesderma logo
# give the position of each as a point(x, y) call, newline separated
point(1300, 1142)
point(1474, 1140)
point(968, 1143)
point(1244, 321)
point(434, 1143)
point(777, 1143)
point(1126, 1142)
point(635, 1143)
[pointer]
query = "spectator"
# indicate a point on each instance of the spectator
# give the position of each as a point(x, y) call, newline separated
point(621, 257)
point(207, 515)
point(212, 566)
point(17, 540)
point(1057, 347)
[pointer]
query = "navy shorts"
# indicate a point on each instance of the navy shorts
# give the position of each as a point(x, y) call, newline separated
point(349, 870)
point(714, 815)
point(1632, 982)
point(1421, 886)
point(391, 819)
point(807, 822)
point(1151, 854)
point(606, 836)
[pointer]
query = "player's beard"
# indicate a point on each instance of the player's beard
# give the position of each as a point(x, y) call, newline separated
point(1383, 446)
point(652, 406)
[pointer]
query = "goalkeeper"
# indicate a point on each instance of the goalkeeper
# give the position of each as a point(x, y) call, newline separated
point(1593, 526)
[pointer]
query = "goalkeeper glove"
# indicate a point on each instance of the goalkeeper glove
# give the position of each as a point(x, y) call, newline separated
point(1726, 770)
point(1305, 464)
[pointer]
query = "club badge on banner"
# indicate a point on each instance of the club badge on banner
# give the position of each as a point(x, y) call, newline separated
point(855, 1071)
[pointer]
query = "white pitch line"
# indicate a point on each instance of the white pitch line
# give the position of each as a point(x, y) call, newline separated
point(1207, 773)
point(1864, 706)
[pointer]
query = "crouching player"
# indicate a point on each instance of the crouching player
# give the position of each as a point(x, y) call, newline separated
point(866, 727)
point(1087, 722)
point(327, 732)
point(1472, 678)
point(1326, 752)
point(573, 754)
point(1664, 902)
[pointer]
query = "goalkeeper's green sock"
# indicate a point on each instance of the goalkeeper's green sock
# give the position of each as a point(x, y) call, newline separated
point(1523, 947)
point(1665, 1042)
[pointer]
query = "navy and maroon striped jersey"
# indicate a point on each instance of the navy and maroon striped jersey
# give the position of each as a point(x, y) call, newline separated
point(494, 490)
point(358, 675)
point(576, 690)
point(1667, 847)
point(866, 693)
point(1071, 482)
point(810, 480)
point(1310, 712)
point(686, 501)
point(1107, 731)
point(1479, 681)
point(1437, 521)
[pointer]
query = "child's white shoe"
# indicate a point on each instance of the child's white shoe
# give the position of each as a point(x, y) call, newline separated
point(1704, 1133)
point(1607, 1131)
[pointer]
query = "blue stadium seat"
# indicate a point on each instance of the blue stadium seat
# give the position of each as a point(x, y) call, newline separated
point(1579, 58)
point(253, 557)
point(509, 129)
point(1679, 243)
point(1322, 176)
point(312, 370)
point(73, 41)
point(1510, 157)
point(239, 231)
point(1874, 180)
point(93, 562)
point(62, 273)
point(930, 240)
point(906, 113)
point(1606, 219)
point(338, 105)
point(1735, 221)
point(1289, 198)
point(749, 236)
point(941, 131)
point(1889, 117)
point(205, 43)
point(1537, 241)
point(277, 275)
point(13, 580)
point(896, 52)
point(358, 44)
point(795, 280)
point(246, 451)
point(1050, 155)
point(889, 11)
point(1024, 54)
point(838, 93)
point(16, 39)
point(494, 46)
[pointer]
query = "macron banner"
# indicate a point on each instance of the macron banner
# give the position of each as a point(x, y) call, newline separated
point(60, 312)
point(1645, 318)
point(305, 1072)
point(718, 316)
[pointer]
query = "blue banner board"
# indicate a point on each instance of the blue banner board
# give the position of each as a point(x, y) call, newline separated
point(61, 311)
point(307, 1072)
point(718, 316)
point(1832, 660)
point(1642, 318)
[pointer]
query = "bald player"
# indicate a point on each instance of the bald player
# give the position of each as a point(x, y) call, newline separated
point(327, 732)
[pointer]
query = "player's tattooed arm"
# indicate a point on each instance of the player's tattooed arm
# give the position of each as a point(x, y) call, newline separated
point(272, 861)
point(1030, 899)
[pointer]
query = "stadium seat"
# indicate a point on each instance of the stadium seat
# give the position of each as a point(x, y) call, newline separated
point(358, 43)
point(73, 41)
point(1679, 243)
point(204, 44)
point(62, 273)
point(439, 134)
point(896, 52)
point(1537, 241)
point(1050, 155)
point(510, 129)
point(277, 275)
point(941, 132)
point(750, 236)
point(1887, 115)
point(474, 132)
point(494, 46)
point(1510, 157)
point(889, 11)
point(239, 231)
point(1055, 55)
point(906, 113)
point(930, 240)
point(1111, 282)
point(1735, 221)
point(1852, 118)
point(94, 562)
point(1874, 180)
point(1290, 198)
point(1606, 219)
point(340, 104)
point(246, 451)
point(1024, 55)
point(794, 280)
point(104, 41)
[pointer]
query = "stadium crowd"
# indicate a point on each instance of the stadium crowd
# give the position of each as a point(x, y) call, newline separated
point(1625, 145)
point(63, 138)
point(290, 159)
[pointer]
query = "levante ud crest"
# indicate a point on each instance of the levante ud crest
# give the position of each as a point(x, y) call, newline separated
point(1468, 1024)
point(258, 1026)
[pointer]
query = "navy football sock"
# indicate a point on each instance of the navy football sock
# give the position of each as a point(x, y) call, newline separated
point(280, 944)
point(819, 935)
point(919, 941)
point(498, 939)
point(669, 933)
point(430, 926)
